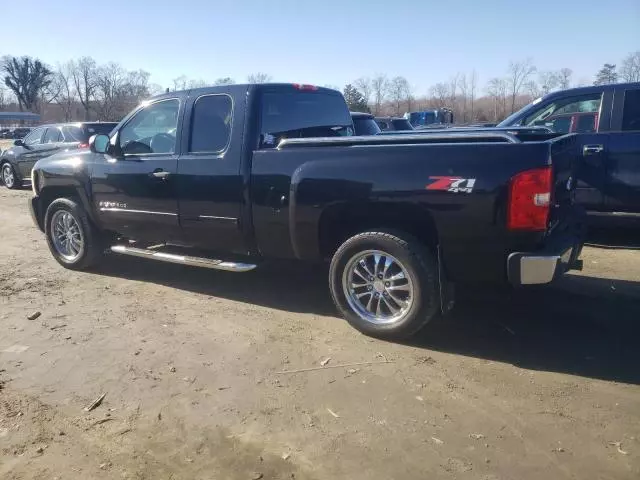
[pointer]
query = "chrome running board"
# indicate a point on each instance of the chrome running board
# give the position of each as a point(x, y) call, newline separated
point(183, 259)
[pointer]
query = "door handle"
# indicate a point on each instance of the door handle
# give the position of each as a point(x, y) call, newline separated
point(592, 149)
point(160, 174)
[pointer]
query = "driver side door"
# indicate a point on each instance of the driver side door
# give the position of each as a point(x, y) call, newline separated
point(134, 184)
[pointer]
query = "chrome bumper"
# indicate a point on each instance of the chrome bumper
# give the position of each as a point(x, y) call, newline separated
point(543, 267)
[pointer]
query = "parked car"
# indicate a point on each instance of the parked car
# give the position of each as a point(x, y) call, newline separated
point(606, 119)
point(364, 124)
point(16, 162)
point(391, 124)
point(399, 218)
point(20, 132)
point(438, 117)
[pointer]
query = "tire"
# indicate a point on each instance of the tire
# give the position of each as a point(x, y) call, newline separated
point(417, 299)
point(90, 249)
point(9, 176)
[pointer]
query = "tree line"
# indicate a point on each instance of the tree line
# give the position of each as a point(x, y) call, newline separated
point(82, 89)
point(470, 102)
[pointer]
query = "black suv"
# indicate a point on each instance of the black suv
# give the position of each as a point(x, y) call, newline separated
point(16, 162)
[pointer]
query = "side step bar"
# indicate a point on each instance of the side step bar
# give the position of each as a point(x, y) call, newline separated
point(183, 259)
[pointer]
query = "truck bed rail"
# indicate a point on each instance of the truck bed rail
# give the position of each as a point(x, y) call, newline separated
point(403, 139)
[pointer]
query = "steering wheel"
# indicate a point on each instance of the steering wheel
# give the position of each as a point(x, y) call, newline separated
point(162, 143)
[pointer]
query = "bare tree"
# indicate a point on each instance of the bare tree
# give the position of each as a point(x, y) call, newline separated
point(27, 79)
point(497, 90)
point(440, 94)
point(259, 78)
point(118, 90)
point(110, 86)
point(548, 81)
point(180, 83)
point(454, 83)
point(564, 78)
point(473, 80)
point(630, 70)
point(379, 88)
point(399, 90)
point(464, 91)
point(533, 89)
point(63, 91)
point(83, 73)
point(197, 83)
point(519, 73)
point(224, 81)
point(363, 84)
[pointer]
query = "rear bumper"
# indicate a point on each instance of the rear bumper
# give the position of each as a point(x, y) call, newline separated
point(544, 266)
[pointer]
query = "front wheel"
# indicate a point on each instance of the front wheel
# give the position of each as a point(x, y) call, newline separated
point(385, 284)
point(9, 177)
point(73, 240)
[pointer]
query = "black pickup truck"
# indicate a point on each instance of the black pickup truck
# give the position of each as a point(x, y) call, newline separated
point(606, 120)
point(228, 176)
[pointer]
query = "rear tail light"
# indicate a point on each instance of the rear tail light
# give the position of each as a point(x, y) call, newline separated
point(530, 200)
point(83, 145)
point(304, 86)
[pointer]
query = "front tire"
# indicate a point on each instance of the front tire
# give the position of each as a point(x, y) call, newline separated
point(9, 177)
point(73, 240)
point(385, 284)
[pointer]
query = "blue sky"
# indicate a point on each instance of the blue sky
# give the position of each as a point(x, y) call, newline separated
point(325, 41)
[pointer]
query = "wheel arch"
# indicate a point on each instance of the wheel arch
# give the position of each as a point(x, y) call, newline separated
point(342, 221)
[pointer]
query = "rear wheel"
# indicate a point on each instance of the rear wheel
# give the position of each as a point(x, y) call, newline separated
point(385, 283)
point(9, 177)
point(73, 240)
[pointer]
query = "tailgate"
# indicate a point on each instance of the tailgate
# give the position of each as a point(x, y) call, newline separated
point(564, 157)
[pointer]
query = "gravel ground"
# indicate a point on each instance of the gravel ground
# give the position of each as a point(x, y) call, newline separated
point(542, 383)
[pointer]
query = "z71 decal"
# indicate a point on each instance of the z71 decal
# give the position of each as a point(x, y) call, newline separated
point(452, 184)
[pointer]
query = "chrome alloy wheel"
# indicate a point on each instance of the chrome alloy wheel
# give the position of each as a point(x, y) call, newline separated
point(8, 176)
point(378, 287)
point(67, 236)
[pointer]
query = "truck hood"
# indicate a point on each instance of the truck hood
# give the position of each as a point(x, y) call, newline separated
point(69, 159)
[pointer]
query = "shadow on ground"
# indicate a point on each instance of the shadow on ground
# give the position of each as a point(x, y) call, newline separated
point(582, 325)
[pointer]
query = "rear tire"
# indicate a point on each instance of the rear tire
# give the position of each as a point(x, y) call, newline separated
point(385, 284)
point(9, 176)
point(73, 240)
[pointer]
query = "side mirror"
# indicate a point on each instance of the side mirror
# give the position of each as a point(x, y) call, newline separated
point(99, 143)
point(18, 143)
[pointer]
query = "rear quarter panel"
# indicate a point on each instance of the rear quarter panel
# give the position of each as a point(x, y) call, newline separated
point(470, 225)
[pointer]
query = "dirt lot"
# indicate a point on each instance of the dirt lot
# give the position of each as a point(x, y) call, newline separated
point(538, 384)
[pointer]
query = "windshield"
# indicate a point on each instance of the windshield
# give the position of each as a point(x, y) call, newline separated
point(401, 124)
point(422, 118)
point(366, 126)
point(512, 120)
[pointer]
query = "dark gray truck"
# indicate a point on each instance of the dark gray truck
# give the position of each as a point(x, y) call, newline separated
point(606, 122)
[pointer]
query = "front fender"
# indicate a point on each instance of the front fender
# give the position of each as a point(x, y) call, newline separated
point(63, 175)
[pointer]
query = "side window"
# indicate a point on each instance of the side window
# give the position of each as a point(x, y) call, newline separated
point(152, 129)
point(34, 137)
point(52, 135)
point(564, 106)
point(631, 110)
point(211, 123)
point(586, 123)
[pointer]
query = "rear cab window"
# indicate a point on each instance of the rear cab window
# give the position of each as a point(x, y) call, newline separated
point(631, 110)
point(304, 113)
point(211, 121)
